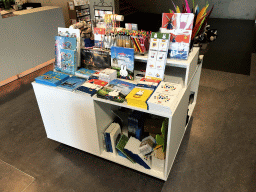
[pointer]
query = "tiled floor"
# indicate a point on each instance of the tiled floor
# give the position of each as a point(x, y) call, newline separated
point(12, 179)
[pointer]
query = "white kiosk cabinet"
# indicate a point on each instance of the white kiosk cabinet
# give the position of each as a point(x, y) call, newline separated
point(79, 120)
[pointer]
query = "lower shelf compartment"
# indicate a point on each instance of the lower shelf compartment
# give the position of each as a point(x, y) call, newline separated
point(125, 162)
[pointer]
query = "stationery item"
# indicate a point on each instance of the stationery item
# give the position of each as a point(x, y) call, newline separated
point(132, 149)
point(108, 75)
point(84, 73)
point(164, 97)
point(52, 78)
point(95, 59)
point(122, 60)
point(138, 97)
point(120, 147)
point(68, 61)
point(157, 56)
point(71, 83)
point(63, 43)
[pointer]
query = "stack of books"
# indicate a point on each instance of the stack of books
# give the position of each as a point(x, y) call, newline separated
point(108, 75)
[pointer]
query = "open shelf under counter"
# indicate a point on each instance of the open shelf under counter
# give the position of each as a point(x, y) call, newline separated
point(154, 112)
point(125, 162)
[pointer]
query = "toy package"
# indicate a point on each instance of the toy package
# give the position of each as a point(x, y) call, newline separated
point(71, 83)
point(63, 43)
point(68, 61)
point(164, 96)
point(138, 97)
point(95, 59)
point(122, 60)
point(51, 78)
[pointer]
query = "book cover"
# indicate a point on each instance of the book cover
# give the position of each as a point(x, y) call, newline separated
point(51, 78)
point(113, 137)
point(91, 86)
point(68, 61)
point(95, 59)
point(108, 92)
point(148, 83)
point(63, 43)
point(132, 149)
point(120, 147)
point(138, 97)
point(122, 60)
point(71, 83)
point(124, 87)
point(84, 73)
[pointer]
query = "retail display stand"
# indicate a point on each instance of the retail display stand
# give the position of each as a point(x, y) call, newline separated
point(79, 120)
point(78, 13)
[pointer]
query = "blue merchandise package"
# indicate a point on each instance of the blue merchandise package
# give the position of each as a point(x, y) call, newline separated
point(63, 43)
point(51, 78)
point(68, 61)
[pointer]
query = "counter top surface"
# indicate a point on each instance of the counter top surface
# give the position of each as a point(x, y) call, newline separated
point(27, 11)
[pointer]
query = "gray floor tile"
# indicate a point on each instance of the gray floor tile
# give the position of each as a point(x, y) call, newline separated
point(12, 179)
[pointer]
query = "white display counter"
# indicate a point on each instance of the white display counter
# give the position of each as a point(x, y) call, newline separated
point(79, 120)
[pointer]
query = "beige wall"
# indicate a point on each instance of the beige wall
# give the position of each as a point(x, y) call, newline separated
point(63, 5)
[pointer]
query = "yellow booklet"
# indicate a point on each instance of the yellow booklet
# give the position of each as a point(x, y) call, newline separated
point(138, 97)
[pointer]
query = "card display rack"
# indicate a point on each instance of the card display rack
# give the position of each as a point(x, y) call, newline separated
point(79, 120)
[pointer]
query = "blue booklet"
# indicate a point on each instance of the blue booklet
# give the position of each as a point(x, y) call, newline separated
point(122, 60)
point(68, 61)
point(63, 43)
point(51, 78)
point(84, 73)
point(71, 83)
